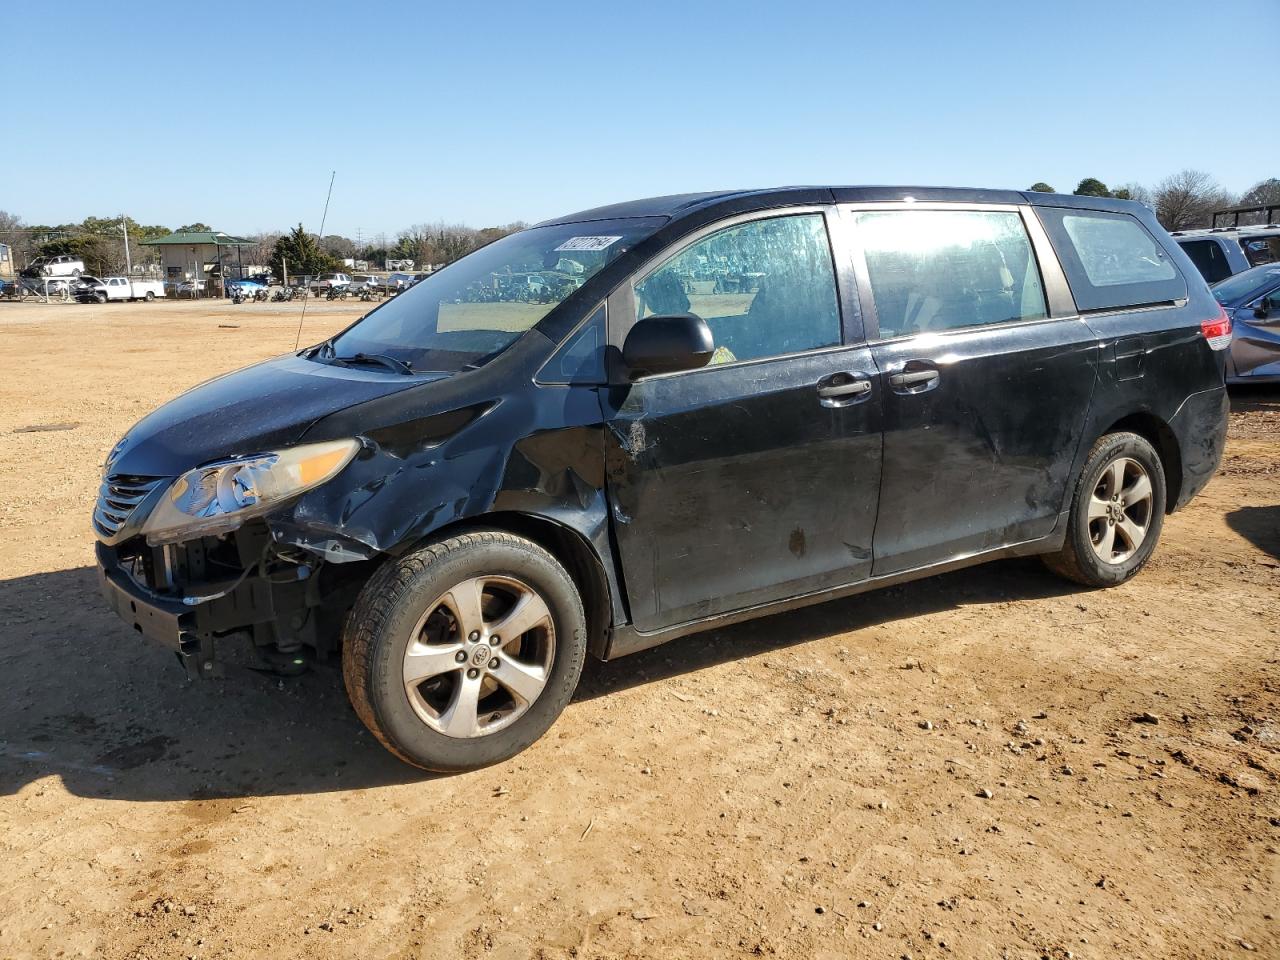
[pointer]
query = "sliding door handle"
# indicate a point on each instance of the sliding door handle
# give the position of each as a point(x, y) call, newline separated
point(915, 378)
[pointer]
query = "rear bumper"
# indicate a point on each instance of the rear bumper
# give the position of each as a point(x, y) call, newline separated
point(1200, 426)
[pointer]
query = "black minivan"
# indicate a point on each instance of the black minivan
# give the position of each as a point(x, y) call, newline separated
point(642, 420)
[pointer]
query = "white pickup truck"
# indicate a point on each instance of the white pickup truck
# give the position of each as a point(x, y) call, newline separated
point(92, 290)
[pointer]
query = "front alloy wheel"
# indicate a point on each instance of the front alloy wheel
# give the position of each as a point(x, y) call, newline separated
point(480, 656)
point(464, 652)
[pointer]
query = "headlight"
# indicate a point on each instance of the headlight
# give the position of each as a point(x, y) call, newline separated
point(218, 497)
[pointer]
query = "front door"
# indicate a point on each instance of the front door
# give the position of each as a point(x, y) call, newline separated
point(755, 478)
point(985, 394)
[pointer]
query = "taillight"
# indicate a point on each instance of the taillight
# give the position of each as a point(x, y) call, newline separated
point(1218, 330)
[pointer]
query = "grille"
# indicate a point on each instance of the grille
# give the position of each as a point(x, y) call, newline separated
point(118, 497)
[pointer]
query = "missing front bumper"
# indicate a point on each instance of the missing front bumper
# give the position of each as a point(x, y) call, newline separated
point(167, 623)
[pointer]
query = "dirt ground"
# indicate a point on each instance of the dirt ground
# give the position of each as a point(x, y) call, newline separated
point(958, 767)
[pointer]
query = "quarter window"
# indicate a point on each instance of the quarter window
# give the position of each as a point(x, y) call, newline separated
point(936, 270)
point(765, 288)
point(1111, 260)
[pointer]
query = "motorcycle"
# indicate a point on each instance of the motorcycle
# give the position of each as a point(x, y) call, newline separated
point(336, 293)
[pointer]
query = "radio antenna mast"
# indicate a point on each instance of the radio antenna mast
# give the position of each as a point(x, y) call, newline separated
point(323, 217)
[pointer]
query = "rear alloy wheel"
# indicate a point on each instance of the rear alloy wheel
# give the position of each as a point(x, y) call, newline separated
point(1116, 515)
point(150, 296)
point(1120, 510)
point(464, 652)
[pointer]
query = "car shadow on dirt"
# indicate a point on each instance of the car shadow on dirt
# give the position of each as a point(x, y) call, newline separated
point(1254, 397)
point(1020, 579)
point(85, 699)
point(1259, 525)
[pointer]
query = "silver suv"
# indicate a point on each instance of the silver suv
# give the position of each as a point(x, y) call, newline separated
point(1225, 251)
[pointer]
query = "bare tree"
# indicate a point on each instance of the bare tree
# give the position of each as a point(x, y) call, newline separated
point(263, 249)
point(1187, 200)
point(1262, 192)
point(16, 236)
point(1135, 191)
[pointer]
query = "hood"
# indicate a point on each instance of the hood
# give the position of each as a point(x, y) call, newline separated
point(258, 408)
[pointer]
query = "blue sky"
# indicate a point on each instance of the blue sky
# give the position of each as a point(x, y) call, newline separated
point(487, 113)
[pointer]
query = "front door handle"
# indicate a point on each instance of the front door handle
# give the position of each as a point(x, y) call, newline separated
point(915, 378)
point(832, 391)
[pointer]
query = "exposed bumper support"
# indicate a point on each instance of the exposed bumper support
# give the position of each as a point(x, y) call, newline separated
point(168, 623)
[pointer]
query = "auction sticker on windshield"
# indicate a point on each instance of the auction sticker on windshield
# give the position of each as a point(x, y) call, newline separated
point(587, 243)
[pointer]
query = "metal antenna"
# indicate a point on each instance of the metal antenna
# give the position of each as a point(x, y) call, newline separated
point(323, 217)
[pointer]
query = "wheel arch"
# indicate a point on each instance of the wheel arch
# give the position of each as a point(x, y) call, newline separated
point(570, 547)
point(1161, 436)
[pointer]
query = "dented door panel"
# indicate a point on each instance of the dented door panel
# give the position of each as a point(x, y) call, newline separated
point(983, 458)
point(736, 485)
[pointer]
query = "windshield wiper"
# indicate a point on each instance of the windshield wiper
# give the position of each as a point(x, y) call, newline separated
point(378, 359)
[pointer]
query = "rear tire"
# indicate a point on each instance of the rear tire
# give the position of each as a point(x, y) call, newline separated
point(1117, 513)
point(150, 296)
point(431, 675)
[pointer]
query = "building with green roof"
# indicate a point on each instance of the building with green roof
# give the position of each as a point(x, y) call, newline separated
point(201, 255)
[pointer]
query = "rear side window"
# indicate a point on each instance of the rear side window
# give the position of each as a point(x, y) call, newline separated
point(1208, 257)
point(1111, 260)
point(1260, 250)
point(936, 270)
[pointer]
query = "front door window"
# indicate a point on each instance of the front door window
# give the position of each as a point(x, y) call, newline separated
point(766, 288)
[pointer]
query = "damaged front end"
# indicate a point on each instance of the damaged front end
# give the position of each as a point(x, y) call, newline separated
point(201, 596)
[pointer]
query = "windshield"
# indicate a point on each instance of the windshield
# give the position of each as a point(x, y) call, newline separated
point(472, 310)
point(1243, 287)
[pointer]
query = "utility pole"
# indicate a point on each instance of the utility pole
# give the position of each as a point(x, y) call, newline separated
point(124, 227)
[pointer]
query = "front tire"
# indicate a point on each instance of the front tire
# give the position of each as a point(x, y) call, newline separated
point(1117, 513)
point(464, 652)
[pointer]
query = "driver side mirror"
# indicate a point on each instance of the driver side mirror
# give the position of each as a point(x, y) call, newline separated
point(668, 344)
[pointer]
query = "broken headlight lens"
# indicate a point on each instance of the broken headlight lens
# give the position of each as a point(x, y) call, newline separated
point(218, 497)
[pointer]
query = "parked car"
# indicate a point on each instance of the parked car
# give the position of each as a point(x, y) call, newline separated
point(364, 281)
point(188, 288)
point(62, 266)
point(397, 282)
point(328, 280)
point(1220, 253)
point(474, 487)
point(1252, 299)
point(247, 288)
point(89, 289)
